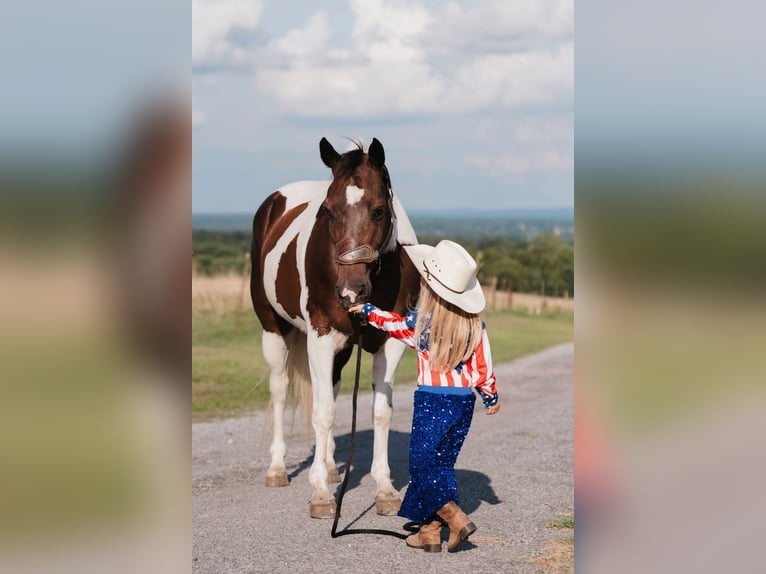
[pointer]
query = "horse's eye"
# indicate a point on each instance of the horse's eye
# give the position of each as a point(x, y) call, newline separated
point(328, 213)
point(378, 213)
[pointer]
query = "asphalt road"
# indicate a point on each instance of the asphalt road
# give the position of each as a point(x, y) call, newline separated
point(514, 474)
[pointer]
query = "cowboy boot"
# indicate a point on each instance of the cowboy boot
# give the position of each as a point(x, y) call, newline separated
point(460, 526)
point(428, 537)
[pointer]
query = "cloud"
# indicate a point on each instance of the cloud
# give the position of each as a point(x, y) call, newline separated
point(407, 61)
point(546, 160)
point(212, 24)
point(389, 29)
point(492, 26)
point(300, 47)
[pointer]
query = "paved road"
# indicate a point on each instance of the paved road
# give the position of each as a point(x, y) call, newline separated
point(514, 473)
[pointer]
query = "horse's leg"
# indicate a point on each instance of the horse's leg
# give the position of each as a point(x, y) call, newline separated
point(275, 352)
point(340, 361)
point(321, 352)
point(385, 361)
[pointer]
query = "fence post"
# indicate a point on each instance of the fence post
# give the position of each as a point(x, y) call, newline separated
point(510, 293)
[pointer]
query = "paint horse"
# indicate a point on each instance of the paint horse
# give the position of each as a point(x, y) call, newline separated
point(316, 251)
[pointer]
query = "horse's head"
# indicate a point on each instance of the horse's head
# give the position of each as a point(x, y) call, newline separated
point(358, 213)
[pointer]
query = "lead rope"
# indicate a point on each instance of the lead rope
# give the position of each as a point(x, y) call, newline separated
point(410, 526)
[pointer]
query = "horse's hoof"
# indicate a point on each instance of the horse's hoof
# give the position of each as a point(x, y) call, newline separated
point(278, 479)
point(333, 475)
point(388, 506)
point(322, 509)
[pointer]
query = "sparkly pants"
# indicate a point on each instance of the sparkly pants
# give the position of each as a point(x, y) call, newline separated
point(440, 423)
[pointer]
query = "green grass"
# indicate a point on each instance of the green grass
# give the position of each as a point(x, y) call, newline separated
point(566, 521)
point(229, 375)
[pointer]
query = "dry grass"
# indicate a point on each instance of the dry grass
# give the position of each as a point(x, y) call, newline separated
point(221, 293)
point(559, 558)
point(501, 300)
point(226, 292)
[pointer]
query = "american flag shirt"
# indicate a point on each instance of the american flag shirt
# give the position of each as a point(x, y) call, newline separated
point(475, 373)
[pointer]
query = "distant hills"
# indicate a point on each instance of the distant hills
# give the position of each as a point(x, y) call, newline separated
point(516, 223)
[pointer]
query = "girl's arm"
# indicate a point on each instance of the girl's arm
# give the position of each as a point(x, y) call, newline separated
point(402, 328)
point(484, 377)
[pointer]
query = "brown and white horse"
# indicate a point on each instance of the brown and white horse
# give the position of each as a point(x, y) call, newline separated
point(317, 250)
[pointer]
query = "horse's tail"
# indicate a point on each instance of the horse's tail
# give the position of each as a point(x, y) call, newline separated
point(300, 378)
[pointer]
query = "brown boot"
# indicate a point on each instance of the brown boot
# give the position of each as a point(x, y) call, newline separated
point(460, 526)
point(428, 537)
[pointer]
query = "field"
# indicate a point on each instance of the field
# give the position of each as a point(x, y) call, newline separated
point(229, 375)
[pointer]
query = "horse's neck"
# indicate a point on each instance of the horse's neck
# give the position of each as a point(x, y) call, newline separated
point(405, 233)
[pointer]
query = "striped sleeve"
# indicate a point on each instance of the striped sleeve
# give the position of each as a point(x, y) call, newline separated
point(483, 375)
point(398, 327)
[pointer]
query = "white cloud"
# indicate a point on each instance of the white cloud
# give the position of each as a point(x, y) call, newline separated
point(212, 23)
point(498, 26)
point(302, 46)
point(389, 30)
point(413, 86)
point(403, 60)
point(546, 160)
point(408, 61)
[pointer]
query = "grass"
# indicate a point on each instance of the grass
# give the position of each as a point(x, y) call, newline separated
point(229, 375)
point(566, 521)
point(559, 558)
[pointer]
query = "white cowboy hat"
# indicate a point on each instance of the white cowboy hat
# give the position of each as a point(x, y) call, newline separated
point(450, 271)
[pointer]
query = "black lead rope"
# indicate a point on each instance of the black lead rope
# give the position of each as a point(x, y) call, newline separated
point(410, 526)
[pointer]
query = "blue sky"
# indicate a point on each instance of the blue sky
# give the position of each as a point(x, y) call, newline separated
point(473, 101)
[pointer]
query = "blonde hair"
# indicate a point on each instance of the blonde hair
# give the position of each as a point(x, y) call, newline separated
point(454, 333)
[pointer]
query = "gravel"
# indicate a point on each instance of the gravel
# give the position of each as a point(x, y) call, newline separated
point(514, 474)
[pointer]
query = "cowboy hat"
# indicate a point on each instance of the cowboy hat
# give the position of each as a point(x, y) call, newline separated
point(450, 271)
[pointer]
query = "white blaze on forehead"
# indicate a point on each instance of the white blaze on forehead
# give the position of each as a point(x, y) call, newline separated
point(353, 194)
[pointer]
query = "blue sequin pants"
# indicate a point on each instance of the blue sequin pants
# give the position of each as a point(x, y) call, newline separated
point(440, 423)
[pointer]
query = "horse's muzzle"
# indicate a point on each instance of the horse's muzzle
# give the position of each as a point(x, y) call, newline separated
point(349, 297)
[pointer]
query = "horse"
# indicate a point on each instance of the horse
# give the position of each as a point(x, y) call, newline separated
point(318, 249)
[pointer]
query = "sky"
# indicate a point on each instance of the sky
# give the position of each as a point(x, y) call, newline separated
point(472, 101)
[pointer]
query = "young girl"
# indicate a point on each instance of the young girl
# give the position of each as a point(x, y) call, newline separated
point(453, 359)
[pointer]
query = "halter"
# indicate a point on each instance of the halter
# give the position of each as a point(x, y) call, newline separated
point(349, 251)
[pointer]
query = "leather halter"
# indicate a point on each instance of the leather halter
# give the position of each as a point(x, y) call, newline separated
point(350, 251)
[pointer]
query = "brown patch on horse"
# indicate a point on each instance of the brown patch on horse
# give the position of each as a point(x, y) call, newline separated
point(325, 311)
point(288, 282)
point(269, 223)
point(396, 289)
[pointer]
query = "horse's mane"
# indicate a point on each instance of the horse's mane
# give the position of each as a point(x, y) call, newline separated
point(350, 161)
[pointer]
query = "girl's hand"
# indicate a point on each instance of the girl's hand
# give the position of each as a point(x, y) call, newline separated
point(493, 409)
point(355, 308)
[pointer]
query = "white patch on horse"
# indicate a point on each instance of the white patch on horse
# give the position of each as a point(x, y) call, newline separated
point(275, 352)
point(353, 194)
point(304, 192)
point(301, 227)
point(404, 232)
point(384, 366)
point(321, 351)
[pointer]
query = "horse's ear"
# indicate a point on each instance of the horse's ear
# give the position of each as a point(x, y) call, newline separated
point(376, 157)
point(329, 156)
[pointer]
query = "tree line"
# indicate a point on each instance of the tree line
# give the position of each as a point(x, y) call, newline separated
point(543, 265)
